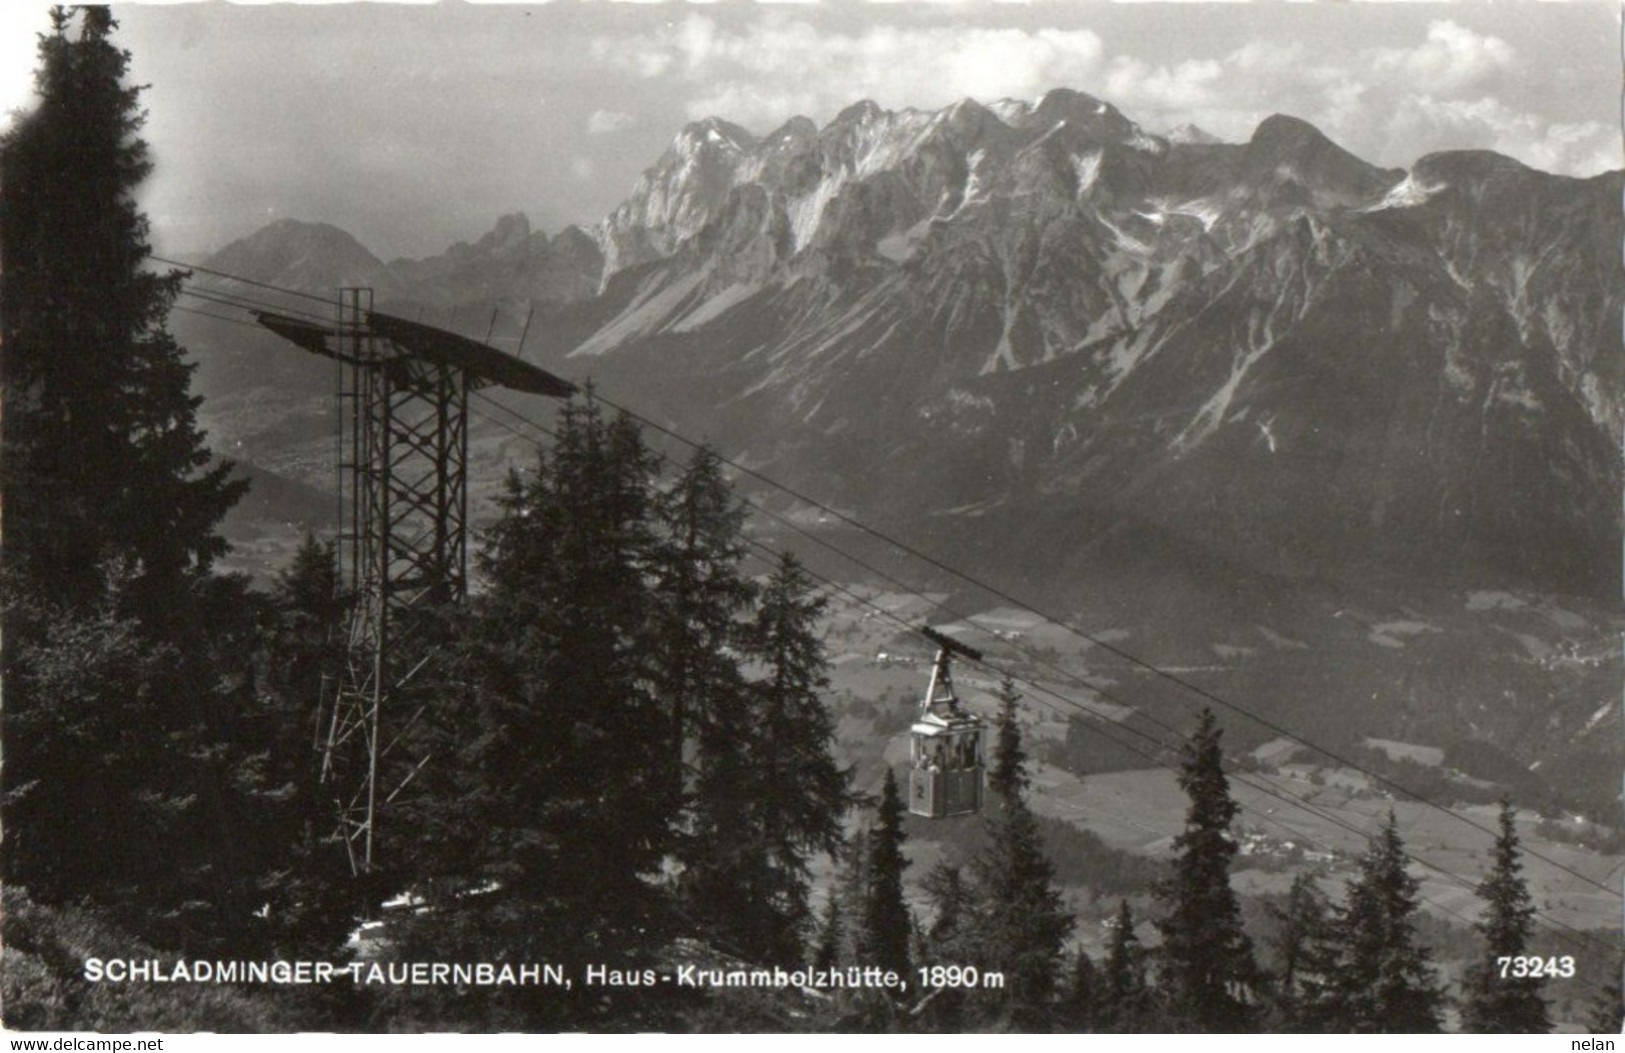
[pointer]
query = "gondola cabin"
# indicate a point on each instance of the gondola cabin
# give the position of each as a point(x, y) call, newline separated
point(947, 774)
point(947, 749)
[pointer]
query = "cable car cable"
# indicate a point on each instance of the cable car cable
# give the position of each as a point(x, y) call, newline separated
point(247, 303)
point(1298, 803)
point(1103, 692)
point(1081, 634)
point(245, 281)
point(1001, 594)
point(216, 317)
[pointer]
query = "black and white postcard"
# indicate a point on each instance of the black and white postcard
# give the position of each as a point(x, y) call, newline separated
point(752, 517)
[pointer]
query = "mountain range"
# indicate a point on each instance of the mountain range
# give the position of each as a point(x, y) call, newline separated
point(1130, 375)
point(1270, 349)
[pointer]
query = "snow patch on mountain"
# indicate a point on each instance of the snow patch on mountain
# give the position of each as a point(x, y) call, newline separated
point(901, 246)
point(1125, 239)
point(807, 212)
point(976, 179)
point(1147, 144)
point(715, 306)
point(1086, 169)
point(1204, 210)
point(1261, 338)
point(1184, 134)
point(1004, 355)
point(1010, 111)
point(882, 143)
point(1597, 717)
point(1407, 193)
point(655, 304)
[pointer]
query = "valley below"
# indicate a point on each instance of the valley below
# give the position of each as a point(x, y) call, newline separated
point(1156, 423)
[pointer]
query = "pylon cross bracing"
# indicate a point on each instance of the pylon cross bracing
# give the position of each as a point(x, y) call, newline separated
point(402, 393)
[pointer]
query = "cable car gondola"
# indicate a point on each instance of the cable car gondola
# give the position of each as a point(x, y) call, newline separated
point(946, 773)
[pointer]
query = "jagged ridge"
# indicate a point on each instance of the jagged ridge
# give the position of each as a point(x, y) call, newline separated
point(1270, 348)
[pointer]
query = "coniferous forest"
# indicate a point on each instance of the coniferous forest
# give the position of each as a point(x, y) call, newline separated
point(632, 763)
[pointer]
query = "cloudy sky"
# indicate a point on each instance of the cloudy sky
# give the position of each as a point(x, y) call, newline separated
point(416, 126)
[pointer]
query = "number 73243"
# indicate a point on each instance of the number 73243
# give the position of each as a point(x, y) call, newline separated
point(1521, 966)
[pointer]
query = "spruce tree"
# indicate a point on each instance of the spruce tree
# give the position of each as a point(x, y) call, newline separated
point(124, 662)
point(728, 881)
point(1007, 778)
point(1497, 1004)
point(953, 937)
point(886, 929)
point(1022, 920)
point(828, 947)
point(311, 898)
point(87, 717)
point(698, 630)
point(1083, 992)
point(851, 890)
point(104, 461)
point(1206, 960)
point(769, 794)
point(1304, 958)
point(803, 793)
point(1125, 999)
point(536, 826)
point(950, 937)
point(1607, 1012)
point(1384, 981)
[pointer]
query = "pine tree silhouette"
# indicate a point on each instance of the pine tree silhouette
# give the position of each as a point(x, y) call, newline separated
point(1305, 961)
point(121, 787)
point(1205, 961)
point(1021, 919)
point(886, 925)
point(701, 597)
point(1126, 999)
point(1496, 1004)
point(546, 806)
point(104, 460)
point(1083, 993)
point(800, 793)
point(1384, 981)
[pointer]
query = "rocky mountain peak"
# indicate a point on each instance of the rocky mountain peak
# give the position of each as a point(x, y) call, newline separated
point(310, 257)
point(1192, 307)
point(971, 124)
point(1270, 349)
point(1190, 134)
point(1077, 108)
point(713, 133)
point(574, 242)
point(1472, 171)
point(510, 231)
point(1287, 149)
point(797, 129)
point(1283, 133)
point(864, 111)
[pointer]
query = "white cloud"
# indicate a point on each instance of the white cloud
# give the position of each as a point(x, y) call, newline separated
point(1453, 59)
point(1448, 87)
point(1189, 86)
point(1453, 89)
point(777, 67)
point(1582, 148)
point(607, 122)
point(1229, 95)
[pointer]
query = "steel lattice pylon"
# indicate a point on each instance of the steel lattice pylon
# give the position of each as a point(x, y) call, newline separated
point(404, 485)
point(402, 394)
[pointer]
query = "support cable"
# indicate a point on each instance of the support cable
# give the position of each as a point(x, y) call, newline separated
point(932, 561)
point(768, 555)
